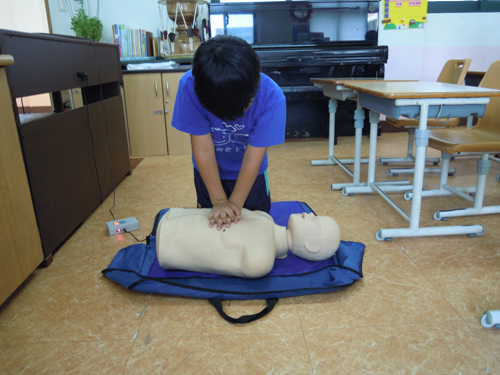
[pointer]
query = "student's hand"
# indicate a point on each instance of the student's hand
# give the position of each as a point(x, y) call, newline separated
point(224, 212)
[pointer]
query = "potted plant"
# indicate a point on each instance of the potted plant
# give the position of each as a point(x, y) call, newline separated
point(86, 26)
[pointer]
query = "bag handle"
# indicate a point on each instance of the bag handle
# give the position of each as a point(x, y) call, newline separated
point(217, 303)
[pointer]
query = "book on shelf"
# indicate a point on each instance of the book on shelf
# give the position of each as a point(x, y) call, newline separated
point(135, 43)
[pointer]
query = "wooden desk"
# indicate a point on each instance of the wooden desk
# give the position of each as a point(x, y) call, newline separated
point(336, 89)
point(423, 100)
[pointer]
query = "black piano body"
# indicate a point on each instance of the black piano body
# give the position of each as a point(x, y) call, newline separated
point(299, 40)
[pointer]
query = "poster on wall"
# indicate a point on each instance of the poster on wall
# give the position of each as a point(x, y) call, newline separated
point(404, 14)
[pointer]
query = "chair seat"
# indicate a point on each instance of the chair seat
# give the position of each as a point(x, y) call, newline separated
point(452, 141)
point(413, 122)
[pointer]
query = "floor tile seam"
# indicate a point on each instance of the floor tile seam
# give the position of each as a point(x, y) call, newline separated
point(378, 218)
point(384, 325)
point(430, 280)
point(464, 318)
point(189, 202)
point(406, 281)
point(468, 277)
point(429, 276)
point(412, 261)
point(486, 347)
point(70, 341)
point(227, 334)
point(303, 335)
point(307, 349)
point(134, 340)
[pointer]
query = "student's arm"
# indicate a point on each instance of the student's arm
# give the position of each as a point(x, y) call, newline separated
point(223, 211)
point(252, 159)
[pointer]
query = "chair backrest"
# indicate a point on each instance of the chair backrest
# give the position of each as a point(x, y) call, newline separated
point(454, 71)
point(491, 119)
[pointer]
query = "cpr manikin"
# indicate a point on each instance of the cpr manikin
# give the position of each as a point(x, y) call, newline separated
point(246, 249)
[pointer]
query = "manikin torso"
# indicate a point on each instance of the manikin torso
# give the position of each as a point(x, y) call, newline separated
point(246, 249)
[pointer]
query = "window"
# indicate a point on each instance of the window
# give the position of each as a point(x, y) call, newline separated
point(297, 22)
point(457, 6)
point(240, 25)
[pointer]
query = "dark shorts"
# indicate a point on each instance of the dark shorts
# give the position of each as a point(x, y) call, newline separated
point(259, 197)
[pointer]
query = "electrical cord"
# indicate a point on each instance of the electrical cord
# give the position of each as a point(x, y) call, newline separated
point(135, 238)
point(106, 131)
point(106, 138)
point(84, 78)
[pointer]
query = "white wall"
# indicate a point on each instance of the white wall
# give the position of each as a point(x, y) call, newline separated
point(421, 53)
point(413, 53)
point(23, 15)
point(28, 16)
point(136, 14)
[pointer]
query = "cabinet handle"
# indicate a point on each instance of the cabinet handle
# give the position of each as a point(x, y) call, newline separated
point(160, 112)
point(167, 89)
point(156, 88)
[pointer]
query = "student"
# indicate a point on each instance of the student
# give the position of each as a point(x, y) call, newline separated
point(233, 113)
point(248, 249)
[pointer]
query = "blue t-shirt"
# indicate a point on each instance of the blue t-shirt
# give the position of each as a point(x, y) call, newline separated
point(262, 125)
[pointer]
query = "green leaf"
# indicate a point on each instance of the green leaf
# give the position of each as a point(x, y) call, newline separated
point(86, 27)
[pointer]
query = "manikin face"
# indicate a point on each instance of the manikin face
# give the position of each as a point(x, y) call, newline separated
point(303, 226)
point(313, 237)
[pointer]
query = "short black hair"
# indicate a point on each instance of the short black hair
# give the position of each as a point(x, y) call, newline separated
point(226, 73)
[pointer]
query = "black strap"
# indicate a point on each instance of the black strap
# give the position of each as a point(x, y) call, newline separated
point(217, 303)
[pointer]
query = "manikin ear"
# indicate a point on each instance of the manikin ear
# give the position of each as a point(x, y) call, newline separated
point(311, 247)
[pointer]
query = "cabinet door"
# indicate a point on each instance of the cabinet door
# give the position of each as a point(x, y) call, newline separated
point(145, 114)
point(179, 143)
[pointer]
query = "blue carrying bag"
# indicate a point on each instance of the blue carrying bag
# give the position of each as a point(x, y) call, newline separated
point(136, 268)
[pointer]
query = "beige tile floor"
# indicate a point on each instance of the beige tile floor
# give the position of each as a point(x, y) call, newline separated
point(416, 311)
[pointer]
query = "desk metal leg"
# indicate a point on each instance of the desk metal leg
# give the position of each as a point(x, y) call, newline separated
point(332, 108)
point(372, 161)
point(444, 189)
point(483, 169)
point(374, 120)
point(411, 158)
point(332, 160)
point(422, 140)
point(359, 121)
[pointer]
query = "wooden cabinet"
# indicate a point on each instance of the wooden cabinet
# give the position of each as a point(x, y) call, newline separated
point(149, 99)
point(179, 143)
point(74, 158)
point(21, 249)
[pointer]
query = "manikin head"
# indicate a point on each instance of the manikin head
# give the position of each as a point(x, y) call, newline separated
point(313, 237)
